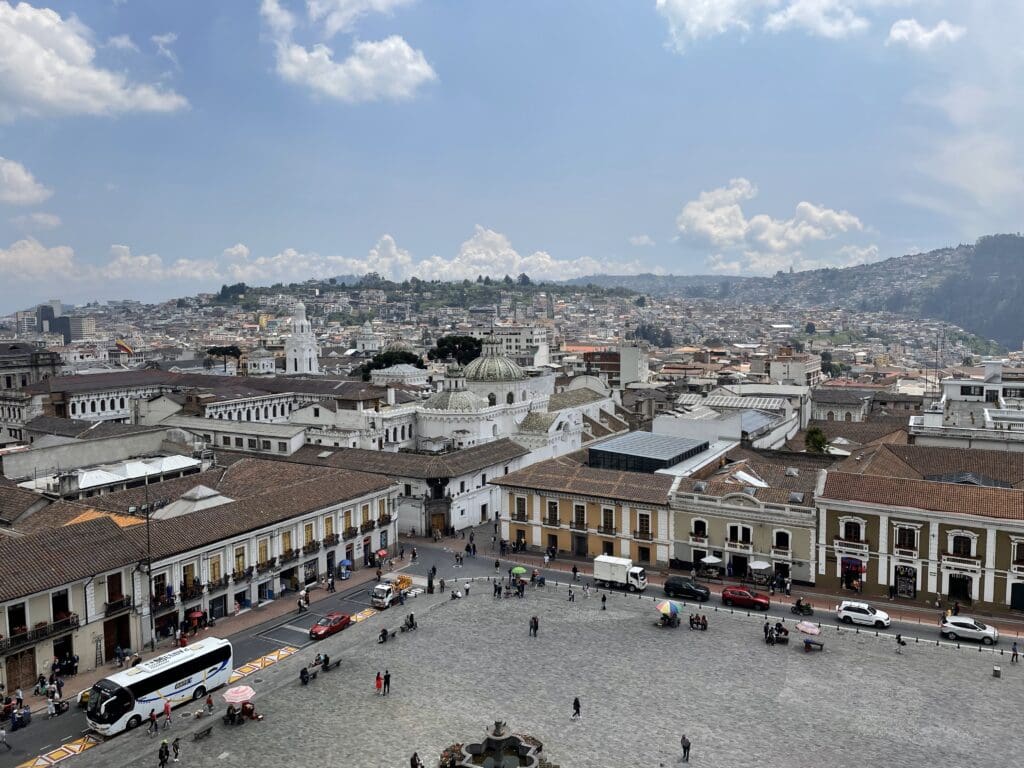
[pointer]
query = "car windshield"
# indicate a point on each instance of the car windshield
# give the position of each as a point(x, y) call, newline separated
point(979, 625)
point(869, 609)
point(324, 622)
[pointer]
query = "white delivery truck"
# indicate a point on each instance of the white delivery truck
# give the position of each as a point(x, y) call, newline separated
point(619, 572)
point(388, 593)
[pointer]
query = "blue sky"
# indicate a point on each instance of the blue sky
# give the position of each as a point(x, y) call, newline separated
point(153, 149)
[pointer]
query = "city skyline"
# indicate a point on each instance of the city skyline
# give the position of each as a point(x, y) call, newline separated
point(173, 149)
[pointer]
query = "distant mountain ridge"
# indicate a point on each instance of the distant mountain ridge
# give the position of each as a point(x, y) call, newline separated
point(979, 287)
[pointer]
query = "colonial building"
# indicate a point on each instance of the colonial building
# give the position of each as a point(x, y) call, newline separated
point(300, 349)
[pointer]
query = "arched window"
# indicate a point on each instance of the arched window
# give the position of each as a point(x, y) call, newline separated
point(830, 416)
point(266, 412)
point(72, 409)
point(122, 402)
point(848, 416)
point(700, 528)
point(782, 539)
point(92, 406)
point(510, 398)
point(491, 399)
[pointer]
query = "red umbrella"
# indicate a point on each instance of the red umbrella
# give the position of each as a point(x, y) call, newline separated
point(382, 553)
point(196, 614)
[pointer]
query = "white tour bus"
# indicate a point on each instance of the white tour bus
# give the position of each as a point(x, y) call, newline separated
point(124, 700)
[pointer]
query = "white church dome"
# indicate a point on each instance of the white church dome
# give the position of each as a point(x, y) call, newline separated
point(492, 365)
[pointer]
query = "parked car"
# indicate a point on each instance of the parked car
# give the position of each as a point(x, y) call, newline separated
point(679, 586)
point(852, 612)
point(966, 628)
point(745, 598)
point(335, 621)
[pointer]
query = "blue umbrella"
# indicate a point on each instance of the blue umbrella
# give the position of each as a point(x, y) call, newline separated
point(346, 562)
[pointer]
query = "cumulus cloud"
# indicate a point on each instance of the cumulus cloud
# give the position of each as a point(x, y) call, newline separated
point(237, 251)
point(641, 240)
point(34, 222)
point(910, 33)
point(832, 19)
point(388, 69)
point(50, 69)
point(689, 20)
point(18, 186)
point(29, 260)
point(762, 243)
point(341, 15)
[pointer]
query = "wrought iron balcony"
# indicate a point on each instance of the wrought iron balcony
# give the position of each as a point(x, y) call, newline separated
point(608, 530)
point(578, 525)
point(190, 591)
point(351, 532)
point(217, 584)
point(383, 521)
point(310, 547)
point(368, 526)
point(331, 539)
point(118, 605)
point(289, 555)
point(40, 631)
point(243, 575)
point(162, 602)
point(266, 565)
point(519, 517)
point(643, 535)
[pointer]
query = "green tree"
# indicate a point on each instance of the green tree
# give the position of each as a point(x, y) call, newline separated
point(967, 360)
point(810, 328)
point(640, 301)
point(815, 440)
point(524, 279)
point(225, 352)
point(460, 348)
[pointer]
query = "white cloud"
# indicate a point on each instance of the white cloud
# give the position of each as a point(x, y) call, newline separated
point(237, 251)
point(48, 66)
point(374, 70)
point(910, 33)
point(695, 19)
point(18, 186)
point(641, 240)
point(34, 222)
point(29, 261)
point(124, 265)
point(340, 15)
point(385, 69)
point(832, 19)
point(762, 243)
point(163, 45)
point(122, 43)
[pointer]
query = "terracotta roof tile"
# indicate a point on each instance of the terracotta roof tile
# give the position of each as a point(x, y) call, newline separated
point(563, 475)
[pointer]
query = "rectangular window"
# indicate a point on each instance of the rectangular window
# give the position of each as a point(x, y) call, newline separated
point(264, 550)
point(307, 533)
point(282, 447)
point(238, 442)
point(851, 531)
point(382, 507)
point(328, 526)
point(552, 513)
point(215, 572)
point(521, 506)
point(316, 413)
point(408, 490)
point(962, 546)
point(286, 540)
point(348, 518)
point(608, 519)
point(643, 523)
point(239, 559)
point(906, 538)
point(226, 440)
point(265, 445)
point(252, 442)
point(366, 512)
point(462, 486)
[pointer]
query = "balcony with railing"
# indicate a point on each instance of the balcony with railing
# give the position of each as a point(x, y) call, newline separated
point(783, 553)
point(117, 605)
point(959, 561)
point(243, 575)
point(1017, 566)
point(162, 602)
point(739, 546)
point(855, 546)
point(331, 539)
point(191, 591)
point(215, 585)
point(908, 552)
point(266, 565)
point(643, 535)
point(23, 636)
point(310, 547)
point(384, 521)
point(698, 539)
point(608, 530)
point(368, 526)
point(351, 532)
point(520, 517)
point(289, 555)
point(578, 524)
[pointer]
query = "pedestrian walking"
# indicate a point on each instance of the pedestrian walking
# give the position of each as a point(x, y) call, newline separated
point(789, 586)
point(164, 754)
point(534, 625)
point(176, 749)
point(441, 585)
point(154, 726)
point(604, 599)
point(387, 682)
point(379, 683)
point(330, 583)
point(767, 630)
point(546, 559)
point(685, 744)
point(497, 567)
point(466, 589)
point(51, 709)
point(1014, 658)
point(302, 606)
point(401, 552)
point(572, 596)
point(575, 573)
point(60, 687)
point(209, 703)
point(3, 738)
point(900, 642)
point(586, 590)
point(577, 714)
point(956, 608)
point(19, 697)
point(414, 761)
point(167, 713)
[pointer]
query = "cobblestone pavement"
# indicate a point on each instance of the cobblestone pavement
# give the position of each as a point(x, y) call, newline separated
point(740, 702)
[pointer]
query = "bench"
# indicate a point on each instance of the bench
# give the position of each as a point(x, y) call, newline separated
point(202, 734)
point(333, 665)
point(810, 645)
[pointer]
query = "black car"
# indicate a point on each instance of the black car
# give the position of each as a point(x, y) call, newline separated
point(677, 586)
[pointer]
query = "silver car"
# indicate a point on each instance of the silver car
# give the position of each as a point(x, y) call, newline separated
point(966, 628)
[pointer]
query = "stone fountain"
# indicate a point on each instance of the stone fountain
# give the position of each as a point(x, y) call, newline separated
point(500, 749)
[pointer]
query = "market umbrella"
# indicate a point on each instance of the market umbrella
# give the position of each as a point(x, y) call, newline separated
point(710, 560)
point(667, 608)
point(240, 694)
point(196, 614)
point(518, 570)
point(345, 562)
point(760, 565)
point(808, 628)
point(382, 553)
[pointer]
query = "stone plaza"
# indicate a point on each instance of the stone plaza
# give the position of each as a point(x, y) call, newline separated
point(740, 702)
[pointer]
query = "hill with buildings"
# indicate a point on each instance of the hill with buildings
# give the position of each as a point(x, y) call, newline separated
point(979, 287)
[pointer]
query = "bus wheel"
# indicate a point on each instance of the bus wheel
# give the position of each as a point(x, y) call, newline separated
point(134, 722)
point(198, 693)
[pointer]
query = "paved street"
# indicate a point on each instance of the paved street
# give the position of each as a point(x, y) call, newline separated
point(741, 703)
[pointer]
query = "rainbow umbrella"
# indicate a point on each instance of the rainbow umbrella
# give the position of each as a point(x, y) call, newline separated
point(667, 608)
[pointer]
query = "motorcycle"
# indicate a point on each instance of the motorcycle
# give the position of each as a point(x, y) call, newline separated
point(802, 609)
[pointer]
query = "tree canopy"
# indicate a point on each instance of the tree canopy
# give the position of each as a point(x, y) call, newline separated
point(462, 349)
point(224, 353)
point(388, 359)
point(815, 440)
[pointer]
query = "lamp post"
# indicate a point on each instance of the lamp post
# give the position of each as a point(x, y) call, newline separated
point(149, 572)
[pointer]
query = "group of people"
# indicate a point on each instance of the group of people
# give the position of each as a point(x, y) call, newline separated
point(698, 621)
point(122, 655)
point(164, 755)
point(776, 634)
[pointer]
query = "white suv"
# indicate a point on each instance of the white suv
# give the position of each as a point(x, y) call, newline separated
point(850, 612)
point(966, 628)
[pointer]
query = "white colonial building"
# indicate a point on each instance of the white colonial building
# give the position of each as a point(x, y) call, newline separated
point(300, 349)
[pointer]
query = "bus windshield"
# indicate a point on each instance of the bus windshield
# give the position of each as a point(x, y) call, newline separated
point(108, 701)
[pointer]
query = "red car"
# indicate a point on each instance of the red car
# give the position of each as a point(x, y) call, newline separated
point(335, 621)
point(744, 598)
